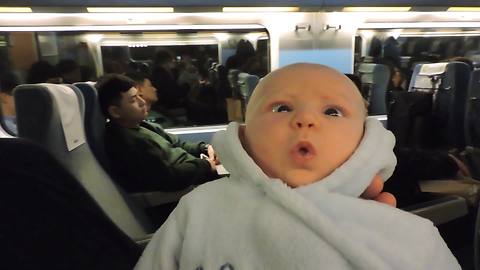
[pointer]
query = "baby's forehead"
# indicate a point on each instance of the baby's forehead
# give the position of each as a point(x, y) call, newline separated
point(299, 79)
point(303, 78)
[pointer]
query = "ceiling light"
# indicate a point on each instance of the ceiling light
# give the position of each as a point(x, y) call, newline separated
point(468, 9)
point(376, 9)
point(15, 9)
point(261, 9)
point(129, 9)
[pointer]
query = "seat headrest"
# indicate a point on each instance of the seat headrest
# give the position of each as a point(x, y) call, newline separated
point(247, 83)
point(69, 111)
point(4, 134)
point(432, 69)
point(372, 68)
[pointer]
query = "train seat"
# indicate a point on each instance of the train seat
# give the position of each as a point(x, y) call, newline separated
point(94, 122)
point(4, 131)
point(246, 84)
point(448, 84)
point(95, 130)
point(375, 79)
point(51, 115)
point(242, 85)
point(418, 118)
point(472, 125)
point(49, 221)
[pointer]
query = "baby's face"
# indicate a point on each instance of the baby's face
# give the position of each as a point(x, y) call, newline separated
point(303, 121)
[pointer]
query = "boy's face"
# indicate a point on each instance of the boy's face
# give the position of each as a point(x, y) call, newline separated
point(303, 121)
point(131, 110)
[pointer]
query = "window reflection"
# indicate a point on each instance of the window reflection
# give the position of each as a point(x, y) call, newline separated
point(187, 68)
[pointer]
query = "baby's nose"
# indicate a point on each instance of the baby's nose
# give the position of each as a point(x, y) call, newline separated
point(304, 119)
point(301, 124)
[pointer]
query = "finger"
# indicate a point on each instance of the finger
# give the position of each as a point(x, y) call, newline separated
point(387, 198)
point(210, 151)
point(373, 189)
point(462, 168)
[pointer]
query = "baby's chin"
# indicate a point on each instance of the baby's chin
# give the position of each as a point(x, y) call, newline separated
point(301, 177)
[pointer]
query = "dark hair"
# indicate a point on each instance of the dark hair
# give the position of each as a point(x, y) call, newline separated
point(110, 88)
point(138, 77)
point(8, 81)
point(245, 48)
point(66, 66)
point(463, 59)
point(162, 57)
point(40, 72)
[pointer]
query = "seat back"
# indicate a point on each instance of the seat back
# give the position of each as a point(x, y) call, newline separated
point(472, 111)
point(94, 122)
point(375, 78)
point(52, 115)
point(233, 83)
point(4, 131)
point(49, 221)
point(448, 84)
point(472, 125)
point(409, 118)
point(246, 85)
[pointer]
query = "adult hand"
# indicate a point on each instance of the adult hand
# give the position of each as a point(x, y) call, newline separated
point(213, 165)
point(212, 155)
point(462, 167)
point(374, 192)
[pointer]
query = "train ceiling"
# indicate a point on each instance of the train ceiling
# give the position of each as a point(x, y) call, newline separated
point(214, 5)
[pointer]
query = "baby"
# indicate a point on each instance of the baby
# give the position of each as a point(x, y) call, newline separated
point(297, 167)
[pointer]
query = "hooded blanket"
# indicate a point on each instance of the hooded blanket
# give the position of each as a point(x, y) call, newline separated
point(250, 221)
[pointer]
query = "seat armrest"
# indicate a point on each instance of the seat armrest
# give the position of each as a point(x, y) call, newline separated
point(441, 210)
point(142, 242)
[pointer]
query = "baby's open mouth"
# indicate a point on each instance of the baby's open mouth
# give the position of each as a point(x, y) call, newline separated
point(303, 151)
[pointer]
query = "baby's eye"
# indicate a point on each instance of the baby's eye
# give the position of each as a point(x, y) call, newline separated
point(333, 112)
point(281, 108)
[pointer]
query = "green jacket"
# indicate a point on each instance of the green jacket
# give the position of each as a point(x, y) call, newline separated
point(147, 158)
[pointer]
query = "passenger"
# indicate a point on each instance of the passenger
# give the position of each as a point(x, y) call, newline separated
point(8, 81)
point(391, 52)
point(397, 80)
point(143, 156)
point(43, 72)
point(244, 52)
point(69, 71)
point(164, 78)
point(463, 59)
point(149, 94)
point(305, 153)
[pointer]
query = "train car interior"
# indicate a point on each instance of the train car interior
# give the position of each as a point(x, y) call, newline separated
point(417, 65)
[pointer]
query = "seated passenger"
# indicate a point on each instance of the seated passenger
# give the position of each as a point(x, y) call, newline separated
point(8, 81)
point(143, 156)
point(69, 71)
point(297, 166)
point(43, 72)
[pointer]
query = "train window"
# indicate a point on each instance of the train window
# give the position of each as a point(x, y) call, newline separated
point(188, 68)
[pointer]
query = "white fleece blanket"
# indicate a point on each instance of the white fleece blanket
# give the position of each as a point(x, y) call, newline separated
point(249, 221)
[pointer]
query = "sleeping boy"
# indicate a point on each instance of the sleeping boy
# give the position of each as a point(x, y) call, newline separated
point(297, 167)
